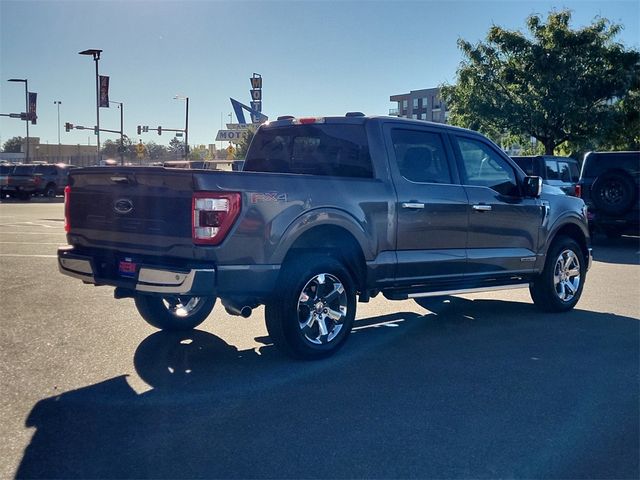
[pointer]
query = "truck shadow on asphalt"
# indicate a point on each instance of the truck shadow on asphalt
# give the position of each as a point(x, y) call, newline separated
point(483, 389)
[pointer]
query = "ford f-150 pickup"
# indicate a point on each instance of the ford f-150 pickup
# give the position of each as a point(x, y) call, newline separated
point(326, 211)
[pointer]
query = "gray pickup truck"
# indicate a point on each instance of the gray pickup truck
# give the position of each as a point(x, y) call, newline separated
point(326, 211)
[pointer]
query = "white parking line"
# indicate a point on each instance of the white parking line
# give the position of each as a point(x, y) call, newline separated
point(20, 255)
point(32, 233)
point(31, 243)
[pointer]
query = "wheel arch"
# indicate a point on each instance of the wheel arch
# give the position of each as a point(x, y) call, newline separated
point(334, 240)
point(574, 231)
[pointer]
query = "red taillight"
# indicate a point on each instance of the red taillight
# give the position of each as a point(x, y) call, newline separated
point(213, 216)
point(67, 199)
point(578, 190)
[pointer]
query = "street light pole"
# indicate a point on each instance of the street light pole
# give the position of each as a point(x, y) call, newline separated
point(58, 103)
point(121, 149)
point(96, 57)
point(26, 106)
point(186, 125)
point(186, 131)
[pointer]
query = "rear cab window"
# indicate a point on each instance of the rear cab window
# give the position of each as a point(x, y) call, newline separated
point(339, 150)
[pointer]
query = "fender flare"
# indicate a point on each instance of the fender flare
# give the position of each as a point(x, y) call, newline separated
point(320, 217)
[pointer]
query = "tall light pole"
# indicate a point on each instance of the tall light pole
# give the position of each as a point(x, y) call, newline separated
point(186, 125)
point(58, 103)
point(96, 57)
point(26, 109)
point(121, 149)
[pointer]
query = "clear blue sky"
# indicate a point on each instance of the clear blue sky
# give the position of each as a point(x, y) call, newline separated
point(316, 57)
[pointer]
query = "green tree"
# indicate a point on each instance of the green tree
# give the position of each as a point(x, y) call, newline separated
point(176, 147)
point(243, 146)
point(155, 151)
point(13, 145)
point(556, 84)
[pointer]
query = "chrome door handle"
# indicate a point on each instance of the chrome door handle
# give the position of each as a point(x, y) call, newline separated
point(482, 208)
point(412, 205)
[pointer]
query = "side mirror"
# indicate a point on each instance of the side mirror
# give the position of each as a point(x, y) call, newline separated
point(532, 186)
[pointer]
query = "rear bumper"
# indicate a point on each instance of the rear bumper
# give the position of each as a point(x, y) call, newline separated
point(237, 281)
point(150, 279)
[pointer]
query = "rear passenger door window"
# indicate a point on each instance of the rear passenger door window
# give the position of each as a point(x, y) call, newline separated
point(421, 156)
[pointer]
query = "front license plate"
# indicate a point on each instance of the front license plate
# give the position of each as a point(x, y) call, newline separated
point(127, 268)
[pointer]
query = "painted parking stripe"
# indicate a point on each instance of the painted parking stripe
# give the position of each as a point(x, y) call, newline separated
point(21, 255)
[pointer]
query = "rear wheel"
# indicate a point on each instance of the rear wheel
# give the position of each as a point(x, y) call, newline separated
point(50, 190)
point(174, 312)
point(613, 193)
point(559, 286)
point(314, 308)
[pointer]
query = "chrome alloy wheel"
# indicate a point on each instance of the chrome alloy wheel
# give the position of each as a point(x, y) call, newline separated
point(566, 275)
point(182, 307)
point(322, 308)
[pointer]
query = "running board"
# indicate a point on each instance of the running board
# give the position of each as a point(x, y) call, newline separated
point(468, 290)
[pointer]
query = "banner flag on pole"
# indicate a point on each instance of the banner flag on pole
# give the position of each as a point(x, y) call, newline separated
point(32, 107)
point(104, 91)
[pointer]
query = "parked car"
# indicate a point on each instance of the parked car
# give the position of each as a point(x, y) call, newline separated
point(5, 169)
point(561, 172)
point(54, 177)
point(325, 211)
point(25, 180)
point(610, 184)
point(22, 181)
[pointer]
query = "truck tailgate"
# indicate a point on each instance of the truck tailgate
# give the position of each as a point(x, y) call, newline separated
point(130, 208)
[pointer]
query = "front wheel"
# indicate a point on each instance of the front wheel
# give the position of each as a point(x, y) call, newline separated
point(559, 286)
point(174, 312)
point(314, 308)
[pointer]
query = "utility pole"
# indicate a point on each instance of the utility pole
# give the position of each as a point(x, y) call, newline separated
point(121, 149)
point(26, 109)
point(58, 103)
point(96, 57)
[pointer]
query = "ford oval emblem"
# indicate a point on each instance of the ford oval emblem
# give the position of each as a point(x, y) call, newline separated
point(123, 206)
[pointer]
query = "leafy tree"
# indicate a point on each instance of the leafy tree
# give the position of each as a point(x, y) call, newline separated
point(176, 147)
point(111, 148)
point(243, 146)
point(199, 152)
point(556, 84)
point(13, 145)
point(155, 151)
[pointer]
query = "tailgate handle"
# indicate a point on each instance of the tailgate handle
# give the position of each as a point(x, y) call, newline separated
point(120, 179)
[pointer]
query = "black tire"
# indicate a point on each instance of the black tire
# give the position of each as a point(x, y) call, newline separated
point(24, 196)
point(559, 280)
point(50, 191)
point(333, 291)
point(174, 312)
point(613, 193)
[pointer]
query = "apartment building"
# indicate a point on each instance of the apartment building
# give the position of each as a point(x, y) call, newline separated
point(424, 104)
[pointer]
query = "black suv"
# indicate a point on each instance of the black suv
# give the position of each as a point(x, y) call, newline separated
point(561, 172)
point(610, 183)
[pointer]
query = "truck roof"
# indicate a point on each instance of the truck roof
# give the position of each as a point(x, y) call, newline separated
point(355, 118)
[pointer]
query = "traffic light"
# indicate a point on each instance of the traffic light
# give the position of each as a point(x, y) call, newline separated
point(68, 127)
point(159, 130)
point(139, 129)
point(95, 130)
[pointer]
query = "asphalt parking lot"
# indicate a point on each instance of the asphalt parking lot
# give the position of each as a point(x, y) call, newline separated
point(483, 387)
